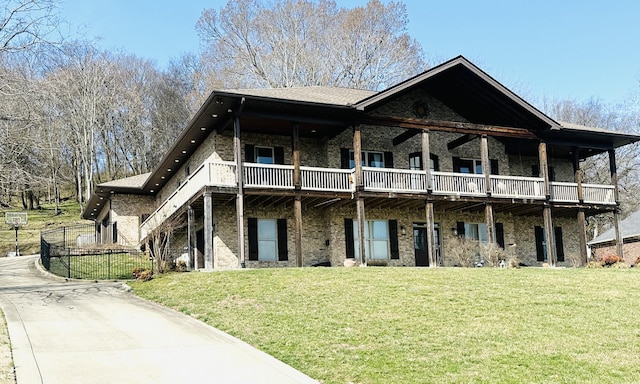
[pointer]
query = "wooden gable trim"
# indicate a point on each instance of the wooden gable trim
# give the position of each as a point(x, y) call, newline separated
point(446, 126)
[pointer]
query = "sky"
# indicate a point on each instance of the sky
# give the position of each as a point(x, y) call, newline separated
point(556, 49)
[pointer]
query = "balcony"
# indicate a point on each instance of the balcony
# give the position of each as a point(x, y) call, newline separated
point(270, 176)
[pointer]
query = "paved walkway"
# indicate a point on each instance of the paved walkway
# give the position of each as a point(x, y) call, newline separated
point(77, 332)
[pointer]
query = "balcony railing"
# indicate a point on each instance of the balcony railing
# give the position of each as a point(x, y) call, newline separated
point(223, 174)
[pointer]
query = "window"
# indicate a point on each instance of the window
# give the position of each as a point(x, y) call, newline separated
point(264, 155)
point(415, 161)
point(467, 165)
point(267, 239)
point(376, 237)
point(369, 159)
point(477, 232)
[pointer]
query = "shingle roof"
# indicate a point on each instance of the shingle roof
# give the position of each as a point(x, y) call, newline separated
point(317, 94)
point(630, 227)
point(566, 124)
point(127, 182)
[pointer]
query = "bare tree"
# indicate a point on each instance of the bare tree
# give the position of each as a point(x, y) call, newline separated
point(306, 43)
point(24, 24)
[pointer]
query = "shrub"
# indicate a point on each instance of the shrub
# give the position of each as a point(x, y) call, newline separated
point(574, 259)
point(145, 275)
point(137, 271)
point(610, 260)
point(594, 264)
point(181, 266)
point(637, 261)
point(514, 262)
point(493, 253)
point(463, 251)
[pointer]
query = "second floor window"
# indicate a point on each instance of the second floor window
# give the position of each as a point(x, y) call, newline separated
point(264, 155)
point(372, 159)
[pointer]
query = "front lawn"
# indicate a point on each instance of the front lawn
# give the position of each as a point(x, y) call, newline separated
point(410, 325)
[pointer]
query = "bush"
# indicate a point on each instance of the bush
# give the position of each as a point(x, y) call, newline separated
point(514, 262)
point(594, 264)
point(610, 260)
point(142, 274)
point(181, 266)
point(463, 251)
point(493, 253)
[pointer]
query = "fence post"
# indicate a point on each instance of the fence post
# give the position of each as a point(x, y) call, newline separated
point(109, 265)
point(68, 263)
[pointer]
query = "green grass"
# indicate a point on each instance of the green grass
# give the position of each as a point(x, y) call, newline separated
point(38, 220)
point(408, 325)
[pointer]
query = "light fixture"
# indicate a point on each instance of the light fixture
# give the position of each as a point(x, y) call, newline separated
point(168, 169)
point(151, 190)
point(193, 141)
point(177, 160)
point(214, 115)
point(184, 152)
point(403, 230)
point(157, 184)
point(203, 128)
point(454, 231)
point(162, 177)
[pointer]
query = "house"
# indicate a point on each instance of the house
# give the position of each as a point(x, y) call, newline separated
point(606, 243)
point(267, 177)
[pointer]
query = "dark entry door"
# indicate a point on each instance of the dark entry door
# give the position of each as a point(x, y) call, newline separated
point(420, 246)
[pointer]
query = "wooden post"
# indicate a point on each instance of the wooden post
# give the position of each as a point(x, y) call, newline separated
point(191, 234)
point(297, 213)
point(295, 149)
point(549, 234)
point(613, 169)
point(491, 226)
point(208, 231)
point(297, 185)
point(431, 243)
point(544, 168)
point(486, 165)
point(237, 155)
point(357, 159)
point(582, 227)
point(426, 160)
point(546, 212)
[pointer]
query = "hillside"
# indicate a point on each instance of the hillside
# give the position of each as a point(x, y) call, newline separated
point(38, 220)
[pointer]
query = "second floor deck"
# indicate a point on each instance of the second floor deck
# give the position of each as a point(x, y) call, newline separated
point(383, 180)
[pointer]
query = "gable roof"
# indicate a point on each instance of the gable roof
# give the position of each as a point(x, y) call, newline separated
point(134, 182)
point(473, 93)
point(630, 228)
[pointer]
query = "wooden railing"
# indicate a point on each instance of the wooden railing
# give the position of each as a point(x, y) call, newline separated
point(223, 174)
point(462, 184)
point(517, 187)
point(327, 179)
point(268, 176)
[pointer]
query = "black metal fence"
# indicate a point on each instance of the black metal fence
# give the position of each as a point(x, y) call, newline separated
point(72, 252)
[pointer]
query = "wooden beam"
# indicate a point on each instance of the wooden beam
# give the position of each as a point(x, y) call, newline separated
point(237, 155)
point(208, 231)
point(618, 230)
point(426, 160)
point(357, 157)
point(406, 135)
point(446, 126)
point(582, 236)
point(550, 238)
point(490, 223)
point(295, 144)
point(544, 169)
point(431, 242)
point(191, 238)
point(486, 164)
point(297, 214)
point(460, 141)
point(361, 223)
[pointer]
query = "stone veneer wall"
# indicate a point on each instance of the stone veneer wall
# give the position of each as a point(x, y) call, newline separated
point(126, 210)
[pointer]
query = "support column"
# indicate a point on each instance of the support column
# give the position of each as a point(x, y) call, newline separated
point(297, 186)
point(582, 228)
point(426, 160)
point(431, 242)
point(491, 226)
point(237, 155)
point(357, 159)
point(486, 164)
point(208, 231)
point(548, 219)
point(613, 169)
point(191, 234)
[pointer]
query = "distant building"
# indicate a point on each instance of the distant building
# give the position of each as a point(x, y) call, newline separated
point(605, 244)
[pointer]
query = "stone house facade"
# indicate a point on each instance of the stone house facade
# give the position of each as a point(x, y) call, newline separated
point(268, 177)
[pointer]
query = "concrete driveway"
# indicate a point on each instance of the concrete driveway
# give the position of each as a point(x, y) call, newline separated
point(71, 332)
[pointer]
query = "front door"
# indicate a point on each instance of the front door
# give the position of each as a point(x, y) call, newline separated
point(420, 244)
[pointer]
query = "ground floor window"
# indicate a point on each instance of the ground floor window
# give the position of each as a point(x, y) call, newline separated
point(267, 239)
point(380, 239)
